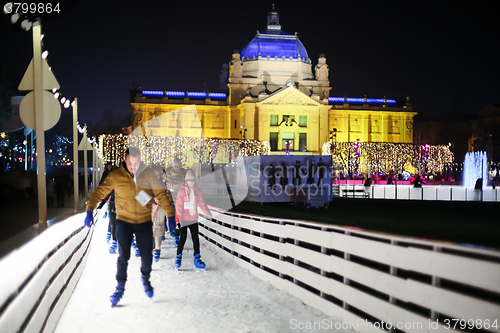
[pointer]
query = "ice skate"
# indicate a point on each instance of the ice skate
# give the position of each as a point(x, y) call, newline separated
point(113, 247)
point(197, 261)
point(147, 286)
point(117, 295)
point(178, 260)
point(156, 254)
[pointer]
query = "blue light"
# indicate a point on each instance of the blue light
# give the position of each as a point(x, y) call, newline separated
point(152, 93)
point(369, 101)
point(196, 95)
point(275, 45)
point(175, 94)
point(377, 101)
point(217, 96)
point(335, 100)
point(355, 100)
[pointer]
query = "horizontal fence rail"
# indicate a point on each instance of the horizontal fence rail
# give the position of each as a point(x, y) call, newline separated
point(38, 279)
point(370, 281)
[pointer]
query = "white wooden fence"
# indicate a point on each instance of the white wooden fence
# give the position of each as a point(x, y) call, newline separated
point(427, 192)
point(366, 279)
point(38, 279)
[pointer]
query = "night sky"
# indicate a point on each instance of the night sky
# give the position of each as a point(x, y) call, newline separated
point(446, 57)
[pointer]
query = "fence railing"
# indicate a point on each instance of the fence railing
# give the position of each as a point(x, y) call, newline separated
point(370, 281)
point(38, 279)
point(409, 192)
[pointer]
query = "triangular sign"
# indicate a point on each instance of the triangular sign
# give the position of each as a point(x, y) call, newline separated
point(49, 80)
point(84, 144)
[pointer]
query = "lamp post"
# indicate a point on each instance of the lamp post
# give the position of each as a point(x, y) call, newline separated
point(76, 192)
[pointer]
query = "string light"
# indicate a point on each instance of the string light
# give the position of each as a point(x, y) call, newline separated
point(388, 157)
point(80, 129)
point(14, 18)
point(162, 150)
point(26, 24)
point(17, 14)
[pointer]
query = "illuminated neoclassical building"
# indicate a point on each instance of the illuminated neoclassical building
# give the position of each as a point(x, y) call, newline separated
point(276, 94)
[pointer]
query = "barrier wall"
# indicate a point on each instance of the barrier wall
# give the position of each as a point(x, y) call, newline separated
point(363, 278)
point(426, 192)
point(38, 279)
point(413, 284)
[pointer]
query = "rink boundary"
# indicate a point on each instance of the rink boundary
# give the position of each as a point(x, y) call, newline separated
point(355, 274)
point(34, 294)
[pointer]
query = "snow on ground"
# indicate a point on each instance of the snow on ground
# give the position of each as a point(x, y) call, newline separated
point(224, 298)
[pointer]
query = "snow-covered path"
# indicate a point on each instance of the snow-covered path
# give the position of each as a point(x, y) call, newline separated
point(224, 298)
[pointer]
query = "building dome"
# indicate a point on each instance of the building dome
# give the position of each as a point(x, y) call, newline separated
point(275, 44)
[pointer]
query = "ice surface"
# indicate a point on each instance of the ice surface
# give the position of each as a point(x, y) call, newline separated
point(224, 298)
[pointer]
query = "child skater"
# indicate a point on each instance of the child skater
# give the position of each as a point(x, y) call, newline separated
point(186, 213)
point(158, 216)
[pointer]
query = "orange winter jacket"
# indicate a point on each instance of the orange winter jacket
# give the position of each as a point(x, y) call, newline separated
point(128, 209)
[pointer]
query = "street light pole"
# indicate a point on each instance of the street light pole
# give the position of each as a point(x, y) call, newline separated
point(76, 191)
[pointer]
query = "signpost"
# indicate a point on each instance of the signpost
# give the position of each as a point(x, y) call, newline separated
point(85, 146)
point(39, 111)
point(75, 154)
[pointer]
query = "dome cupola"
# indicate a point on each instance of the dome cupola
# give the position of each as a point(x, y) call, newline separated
point(275, 44)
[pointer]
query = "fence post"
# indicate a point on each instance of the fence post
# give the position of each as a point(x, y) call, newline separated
point(347, 256)
point(232, 236)
point(295, 261)
point(281, 257)
point(393, 271)
point(323, 251)
point(436, 281)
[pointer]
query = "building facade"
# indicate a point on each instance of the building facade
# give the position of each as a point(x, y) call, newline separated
point(273, 95)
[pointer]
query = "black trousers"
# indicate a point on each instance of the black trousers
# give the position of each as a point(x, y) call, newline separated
point(112, 224)
point(144, 239)
point(193, 228)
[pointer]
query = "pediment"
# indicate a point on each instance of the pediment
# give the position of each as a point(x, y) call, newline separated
point(289, 96)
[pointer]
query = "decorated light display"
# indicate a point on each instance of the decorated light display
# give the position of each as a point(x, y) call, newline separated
point(356, 149)
point(388, 157)
point(162, 150)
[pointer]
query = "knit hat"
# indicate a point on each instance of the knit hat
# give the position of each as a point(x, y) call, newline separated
point(190, 175)
point(177, 162)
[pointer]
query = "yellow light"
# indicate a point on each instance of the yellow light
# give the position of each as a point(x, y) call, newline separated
point(162, 150)
point(3, 135)
point(388, 157)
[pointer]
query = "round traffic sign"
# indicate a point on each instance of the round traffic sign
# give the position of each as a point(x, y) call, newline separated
point(51, 111)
